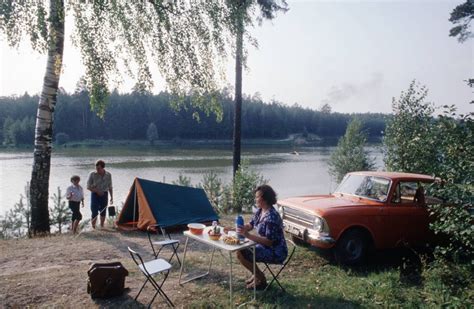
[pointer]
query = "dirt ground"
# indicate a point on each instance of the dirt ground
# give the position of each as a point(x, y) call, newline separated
point(52, 271)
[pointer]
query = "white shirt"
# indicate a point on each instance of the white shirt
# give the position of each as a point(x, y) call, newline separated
point(75, 193)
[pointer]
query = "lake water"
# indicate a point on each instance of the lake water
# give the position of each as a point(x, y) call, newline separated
point(288, 173)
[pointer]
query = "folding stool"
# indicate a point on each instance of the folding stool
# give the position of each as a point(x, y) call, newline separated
point(149, 269)
point(274, 273)
point(173, 243)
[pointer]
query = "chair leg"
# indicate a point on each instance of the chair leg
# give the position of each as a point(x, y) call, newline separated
point(160, 290)
point(274, 278)
point(136, 297)
point(175, 253)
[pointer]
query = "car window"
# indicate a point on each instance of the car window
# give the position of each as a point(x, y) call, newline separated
point(411, 192)
point(365, 186)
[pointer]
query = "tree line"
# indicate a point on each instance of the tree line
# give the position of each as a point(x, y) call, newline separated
point(130, 116)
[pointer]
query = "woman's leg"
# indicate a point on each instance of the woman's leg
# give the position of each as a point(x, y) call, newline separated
point(260, 277)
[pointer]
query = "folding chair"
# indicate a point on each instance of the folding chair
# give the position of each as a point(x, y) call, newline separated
point(149, 269)
point(276, 273)
point(173, 243)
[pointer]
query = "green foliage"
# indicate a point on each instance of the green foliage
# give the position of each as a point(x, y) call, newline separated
point(62, 138)
point(417, 142)
point(152, 133)
point(462, 16)
point(455, 218)
point(213, 187)
point(16, 222)
point(20, 131)
point(183, 181)
point(60, 213)
point(245, 182)
point(350, 155)
point(408, 142)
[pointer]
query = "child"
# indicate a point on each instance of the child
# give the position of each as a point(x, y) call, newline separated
point(75, 195)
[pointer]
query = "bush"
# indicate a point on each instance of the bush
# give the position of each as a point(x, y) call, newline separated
point(415, 141)
point(350, 155)
point(214, 189)
point(245, 182)
point(60, 213)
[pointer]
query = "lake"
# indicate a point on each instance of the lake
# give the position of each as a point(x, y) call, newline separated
point(288, 173)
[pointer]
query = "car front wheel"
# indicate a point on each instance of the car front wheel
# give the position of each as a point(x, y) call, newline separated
point(351, 248)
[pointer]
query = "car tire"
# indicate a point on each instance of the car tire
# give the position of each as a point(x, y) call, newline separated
point(351, 248)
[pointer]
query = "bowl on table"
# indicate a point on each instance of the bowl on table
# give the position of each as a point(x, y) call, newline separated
point(196, 228)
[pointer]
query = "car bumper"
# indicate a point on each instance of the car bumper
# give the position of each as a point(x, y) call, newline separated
point(310, 236)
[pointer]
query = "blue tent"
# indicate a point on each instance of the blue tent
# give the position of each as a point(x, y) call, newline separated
point(150, 202)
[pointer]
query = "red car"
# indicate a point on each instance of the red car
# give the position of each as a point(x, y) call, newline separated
point(379, 209)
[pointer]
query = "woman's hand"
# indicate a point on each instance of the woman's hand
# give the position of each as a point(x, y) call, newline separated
point(244, 230)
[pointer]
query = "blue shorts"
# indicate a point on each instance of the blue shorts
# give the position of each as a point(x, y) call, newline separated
point(98, 204)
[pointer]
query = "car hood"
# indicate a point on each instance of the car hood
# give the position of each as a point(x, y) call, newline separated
point(323, 203)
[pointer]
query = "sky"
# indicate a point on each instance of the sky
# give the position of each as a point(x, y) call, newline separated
point(353, 55)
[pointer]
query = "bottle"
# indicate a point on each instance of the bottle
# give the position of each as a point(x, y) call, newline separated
point(239, 222)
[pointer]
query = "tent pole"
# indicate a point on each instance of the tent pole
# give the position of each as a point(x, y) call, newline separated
point(135, 203)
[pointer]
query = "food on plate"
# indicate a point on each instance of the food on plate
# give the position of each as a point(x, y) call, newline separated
point(230, 240)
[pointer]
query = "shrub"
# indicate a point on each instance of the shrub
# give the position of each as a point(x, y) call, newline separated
point(183, 181)
point(214, 188)
point(60, 213)
point(245, 182)
point(350, 155)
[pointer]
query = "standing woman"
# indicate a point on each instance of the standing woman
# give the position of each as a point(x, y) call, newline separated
point(271, 245)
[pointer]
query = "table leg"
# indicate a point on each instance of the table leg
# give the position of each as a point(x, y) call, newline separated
point(254, 268)
point(184, 258)
point(198, 276)
point(230, 280)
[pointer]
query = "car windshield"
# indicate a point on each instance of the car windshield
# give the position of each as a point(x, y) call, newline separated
point(365, 186)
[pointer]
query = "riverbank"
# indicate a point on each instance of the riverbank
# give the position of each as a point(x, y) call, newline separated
point(52, 272)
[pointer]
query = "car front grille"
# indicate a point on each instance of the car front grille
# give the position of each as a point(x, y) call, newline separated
point(297, 216)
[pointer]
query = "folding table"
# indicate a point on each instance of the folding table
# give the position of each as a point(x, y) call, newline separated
point(217, 244)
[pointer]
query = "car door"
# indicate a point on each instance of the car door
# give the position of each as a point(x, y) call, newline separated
point(406, 215)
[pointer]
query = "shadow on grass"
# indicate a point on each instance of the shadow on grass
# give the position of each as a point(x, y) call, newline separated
point(275, 298)
point(409, 262)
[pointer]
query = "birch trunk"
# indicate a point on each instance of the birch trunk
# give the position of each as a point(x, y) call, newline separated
point(39, 185)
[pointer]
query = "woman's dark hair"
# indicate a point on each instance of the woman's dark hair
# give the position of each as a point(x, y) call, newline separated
point(268, 194)
point(100, 163)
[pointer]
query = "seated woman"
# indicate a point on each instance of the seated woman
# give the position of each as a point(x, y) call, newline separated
point(270, 239)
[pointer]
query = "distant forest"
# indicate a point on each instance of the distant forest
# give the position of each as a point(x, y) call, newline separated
point(129, 116)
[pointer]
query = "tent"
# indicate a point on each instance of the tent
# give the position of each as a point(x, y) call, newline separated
point(150, 202)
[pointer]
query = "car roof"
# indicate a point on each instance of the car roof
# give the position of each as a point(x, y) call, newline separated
point(395, 175)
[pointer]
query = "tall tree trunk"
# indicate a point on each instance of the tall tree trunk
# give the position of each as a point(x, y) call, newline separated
point(39, 185)
point(238, 94)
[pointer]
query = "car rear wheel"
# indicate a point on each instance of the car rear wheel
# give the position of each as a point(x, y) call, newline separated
point(351, 248)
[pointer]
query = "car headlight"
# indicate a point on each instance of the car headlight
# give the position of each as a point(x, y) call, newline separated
point(318, 224)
